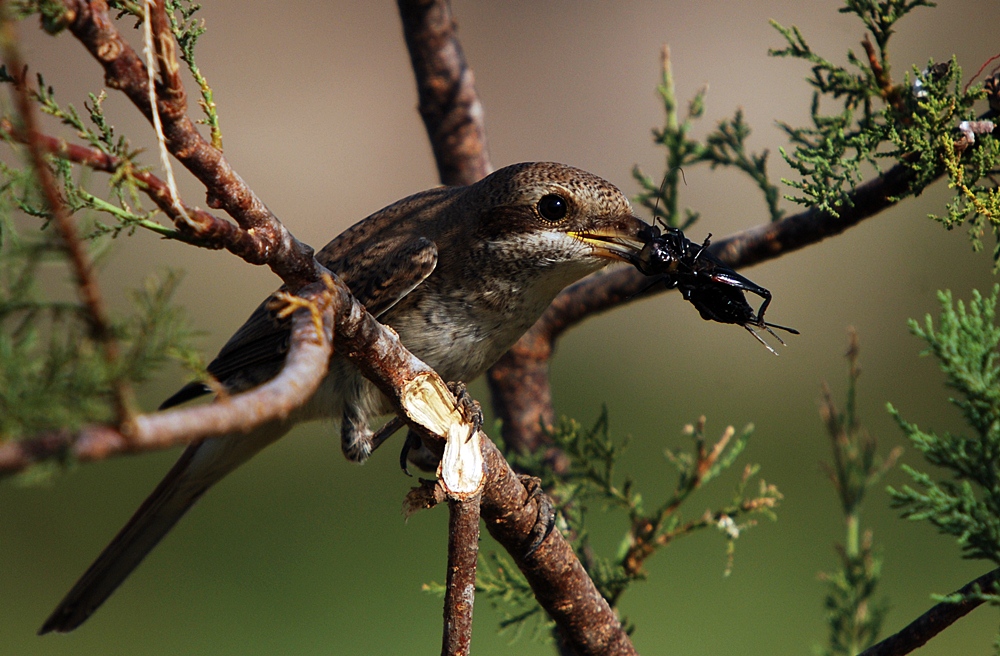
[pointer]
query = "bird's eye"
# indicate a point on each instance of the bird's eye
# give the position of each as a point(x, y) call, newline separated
point(553, 207)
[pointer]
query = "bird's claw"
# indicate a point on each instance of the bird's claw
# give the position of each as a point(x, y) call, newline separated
point(471, 411)
point(546, 519)
point(412, 441)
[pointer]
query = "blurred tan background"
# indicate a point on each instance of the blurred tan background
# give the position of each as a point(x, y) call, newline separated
point(303, 553)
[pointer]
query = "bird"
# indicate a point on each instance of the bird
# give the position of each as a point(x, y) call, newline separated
point(460, 273)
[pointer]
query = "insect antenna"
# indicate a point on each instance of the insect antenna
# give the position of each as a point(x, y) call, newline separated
point(659, 195)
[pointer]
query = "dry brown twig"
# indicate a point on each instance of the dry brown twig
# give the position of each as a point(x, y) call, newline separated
point(460, 586)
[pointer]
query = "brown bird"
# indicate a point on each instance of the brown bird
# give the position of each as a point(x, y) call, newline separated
point(460, 273)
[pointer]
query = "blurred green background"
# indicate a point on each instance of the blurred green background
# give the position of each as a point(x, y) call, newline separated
point(301, 552)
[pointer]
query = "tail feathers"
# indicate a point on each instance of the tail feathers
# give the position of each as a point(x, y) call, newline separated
point(200, 466)
point(154, 519)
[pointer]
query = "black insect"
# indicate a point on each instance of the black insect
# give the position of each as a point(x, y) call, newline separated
point(704, 280)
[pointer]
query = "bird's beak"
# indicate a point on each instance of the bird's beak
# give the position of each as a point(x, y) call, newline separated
point(619, 241)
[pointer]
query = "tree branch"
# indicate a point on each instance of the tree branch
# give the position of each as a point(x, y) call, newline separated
point(201, 228)
point(449, 104)
point(560, 583)
point(460, 588)
point(936, 620)
point(124, 70)
point(306, 365)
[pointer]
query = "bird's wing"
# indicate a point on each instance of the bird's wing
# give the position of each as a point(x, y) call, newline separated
point(379, 277)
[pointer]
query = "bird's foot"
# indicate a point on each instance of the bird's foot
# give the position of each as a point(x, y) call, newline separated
point(471, 411)
point(546, 519)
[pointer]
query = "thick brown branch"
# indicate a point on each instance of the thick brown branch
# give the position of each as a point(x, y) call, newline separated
point(83, 272)
point(305, 367)
point(91, 23)
point(584, 619)
point(449, 104)
point(936, 620)
point(460, 591)
point(526, 408)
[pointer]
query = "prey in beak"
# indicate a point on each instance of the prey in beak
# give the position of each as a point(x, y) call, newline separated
point(705, 281)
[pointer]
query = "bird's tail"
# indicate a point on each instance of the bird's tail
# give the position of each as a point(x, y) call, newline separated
point(201, 466)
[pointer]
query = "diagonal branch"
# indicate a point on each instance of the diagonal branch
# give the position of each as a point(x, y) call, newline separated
point(92, 25)
point(562, 586)
point(200, 227)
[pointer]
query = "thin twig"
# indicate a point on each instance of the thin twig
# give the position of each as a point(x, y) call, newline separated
point(936, 620)
point(155, 13)
point(460, 591)
point(202, 228)
point(449, 103)
point(83, 271)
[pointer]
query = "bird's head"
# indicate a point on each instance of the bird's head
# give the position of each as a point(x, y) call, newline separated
point(555, 216)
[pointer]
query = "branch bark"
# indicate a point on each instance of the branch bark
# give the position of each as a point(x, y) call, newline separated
point(449, 103)
point(562, 586)
point(460, 591)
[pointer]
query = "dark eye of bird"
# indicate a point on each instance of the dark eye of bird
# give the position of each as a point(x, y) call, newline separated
point(553, 207)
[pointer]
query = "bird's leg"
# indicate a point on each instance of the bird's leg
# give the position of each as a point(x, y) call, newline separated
point(356, 438)
point(388, 430)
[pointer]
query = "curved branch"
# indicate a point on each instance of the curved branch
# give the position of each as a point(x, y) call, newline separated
point(305, 367)
point(374, 349)
point(449, 104)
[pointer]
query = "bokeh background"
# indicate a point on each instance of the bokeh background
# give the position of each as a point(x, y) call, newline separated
point(301, 552)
